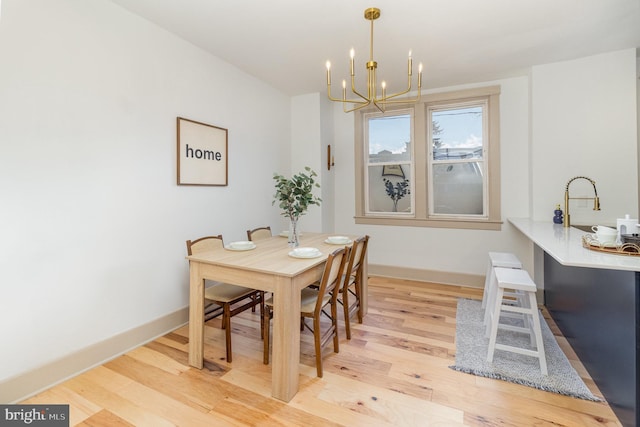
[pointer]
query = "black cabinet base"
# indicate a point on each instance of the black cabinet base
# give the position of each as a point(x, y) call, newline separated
point(597, 310)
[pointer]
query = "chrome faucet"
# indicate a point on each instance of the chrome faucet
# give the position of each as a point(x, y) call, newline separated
point(596, 200)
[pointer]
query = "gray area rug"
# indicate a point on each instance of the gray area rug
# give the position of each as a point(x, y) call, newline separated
point(471, 355)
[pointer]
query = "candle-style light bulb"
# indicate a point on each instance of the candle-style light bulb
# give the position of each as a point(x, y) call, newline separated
point(384, 89)
point(344, 90)
point(410, 62)
point(352, 54)
point(328, 73)
point(420, 75)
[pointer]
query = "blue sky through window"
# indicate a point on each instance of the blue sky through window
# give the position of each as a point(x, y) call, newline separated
point(462, 128)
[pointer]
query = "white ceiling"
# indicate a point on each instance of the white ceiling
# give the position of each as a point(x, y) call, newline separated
point(287, 42)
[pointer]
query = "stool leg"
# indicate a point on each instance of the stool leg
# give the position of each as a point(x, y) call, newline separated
point(491, 302)
point(487, 281)
point(493, 321)
point(538, 333)
point(524, 301)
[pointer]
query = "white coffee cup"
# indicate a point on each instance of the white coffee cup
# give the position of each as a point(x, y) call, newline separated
point(605, 234)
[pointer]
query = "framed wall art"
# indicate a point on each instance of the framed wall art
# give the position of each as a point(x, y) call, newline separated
point(202, 153)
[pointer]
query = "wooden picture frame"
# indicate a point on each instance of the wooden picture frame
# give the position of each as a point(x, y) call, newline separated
point(202, 153)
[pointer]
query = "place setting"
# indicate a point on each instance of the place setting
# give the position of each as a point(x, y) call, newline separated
point(338, 240)
point(244, 245)
point(305, 253)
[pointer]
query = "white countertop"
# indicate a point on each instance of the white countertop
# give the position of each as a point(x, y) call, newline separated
point(565, 246)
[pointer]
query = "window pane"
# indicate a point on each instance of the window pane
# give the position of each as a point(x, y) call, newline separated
point(389, 188)
point(457, 188)
point(457, 133)
point(390, 138)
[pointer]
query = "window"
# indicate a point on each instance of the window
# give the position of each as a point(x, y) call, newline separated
point(435, 164)
point(389, 168)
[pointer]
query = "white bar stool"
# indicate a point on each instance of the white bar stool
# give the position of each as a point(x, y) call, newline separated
point(496, 259)
point(519, 281)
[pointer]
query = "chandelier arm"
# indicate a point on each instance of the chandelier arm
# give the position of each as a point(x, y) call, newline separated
point(355, 92)
point(380, 108)
point(358, 103)
point(364, 101)
point(407, 90)
point(400, 101)
point(387, 97)
point(359, 107)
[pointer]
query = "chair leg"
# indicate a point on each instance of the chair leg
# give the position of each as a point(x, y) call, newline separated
point(266, 316)
point(318, 345)
point(345, 306)
point(261, 314)
point(226, 319)
point(334, 326)
point(358, 295)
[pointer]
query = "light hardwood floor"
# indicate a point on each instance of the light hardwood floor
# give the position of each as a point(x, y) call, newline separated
point(393, 372)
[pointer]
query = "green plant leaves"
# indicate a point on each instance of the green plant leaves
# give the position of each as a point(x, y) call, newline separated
point(294, 196)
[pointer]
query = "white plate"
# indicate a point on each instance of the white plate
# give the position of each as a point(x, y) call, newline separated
point(233, 247)
point(305, 253)
point(344, 242)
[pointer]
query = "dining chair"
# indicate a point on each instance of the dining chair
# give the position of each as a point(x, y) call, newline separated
point(224, 298)
point(313, 304)
point(351, 290)
point(259, 233)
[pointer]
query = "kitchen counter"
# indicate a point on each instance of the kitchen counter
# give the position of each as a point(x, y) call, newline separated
point(564, 244)
point(594, 298)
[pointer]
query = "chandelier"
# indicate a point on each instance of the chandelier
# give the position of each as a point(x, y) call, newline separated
point(378, 100)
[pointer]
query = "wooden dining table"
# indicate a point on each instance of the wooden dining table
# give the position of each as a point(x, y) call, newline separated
point(269, 267)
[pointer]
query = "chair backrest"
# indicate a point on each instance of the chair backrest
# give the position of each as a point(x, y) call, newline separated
point(356, 258)
point(204, 244)
point(332, 275)
point(259, 233)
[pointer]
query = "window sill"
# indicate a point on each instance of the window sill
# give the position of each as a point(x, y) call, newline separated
point(433, 223)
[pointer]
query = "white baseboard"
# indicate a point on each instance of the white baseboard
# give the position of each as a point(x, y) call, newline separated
point(25, 385)
point(433, 276)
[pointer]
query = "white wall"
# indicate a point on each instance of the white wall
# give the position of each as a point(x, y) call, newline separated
point(584, 123)
point(92, 223)
point(306, 150)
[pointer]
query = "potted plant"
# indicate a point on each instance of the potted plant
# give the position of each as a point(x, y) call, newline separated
point(294, 196)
